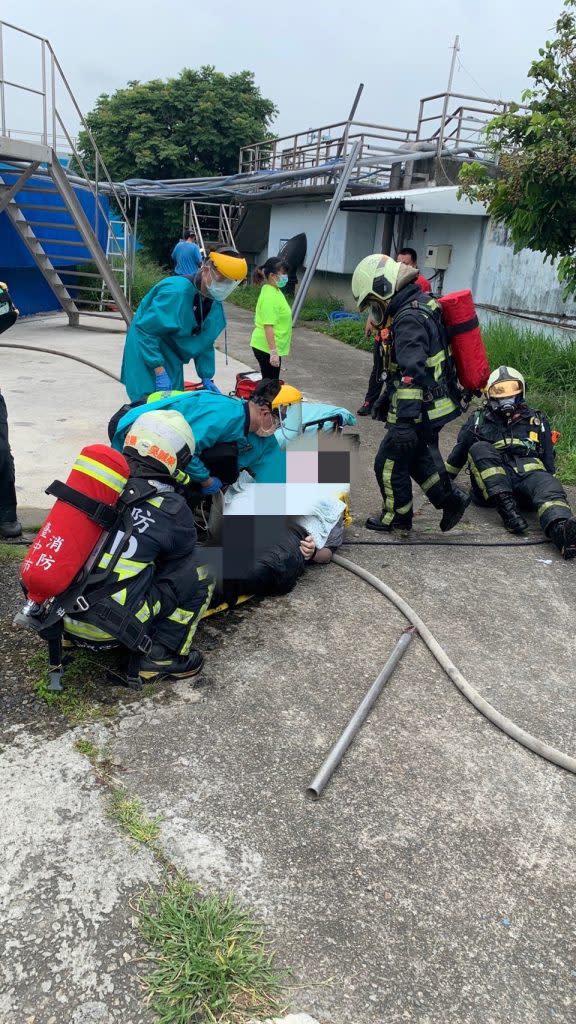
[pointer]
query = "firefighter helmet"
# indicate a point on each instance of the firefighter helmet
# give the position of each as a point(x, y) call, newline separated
point(504, 382)
point(163, 436)
point(375, 278)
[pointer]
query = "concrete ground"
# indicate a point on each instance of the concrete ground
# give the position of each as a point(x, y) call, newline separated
point(435, 879)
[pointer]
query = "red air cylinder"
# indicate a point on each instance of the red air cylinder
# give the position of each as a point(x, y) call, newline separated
point(68, 537)
point(463, 331)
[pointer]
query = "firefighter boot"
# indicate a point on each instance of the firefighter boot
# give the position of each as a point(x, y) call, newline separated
point(509, 513)
point(398, 523)
point(562, 533)
point(454, 508)
point(161, 663)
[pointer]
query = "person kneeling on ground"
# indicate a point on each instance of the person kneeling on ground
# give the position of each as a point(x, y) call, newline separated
point(509, 449)
point(158, 580)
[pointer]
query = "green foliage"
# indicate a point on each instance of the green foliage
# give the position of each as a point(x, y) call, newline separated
point(185, 127)
point(350, 331)
point(147, 273)
point(88, 749)
point(13, 552)
point(534, 194)
point(131, 818)
point(550, 373)
point(315, 308)
point(212, 963)
point(77, 701)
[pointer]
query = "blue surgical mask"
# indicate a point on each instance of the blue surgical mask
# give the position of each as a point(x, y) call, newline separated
point(283, 280)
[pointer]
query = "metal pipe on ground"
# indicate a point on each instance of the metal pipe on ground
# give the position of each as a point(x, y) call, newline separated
point(322, 778)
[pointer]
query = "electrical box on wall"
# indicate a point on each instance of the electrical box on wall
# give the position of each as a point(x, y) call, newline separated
point(438, 256)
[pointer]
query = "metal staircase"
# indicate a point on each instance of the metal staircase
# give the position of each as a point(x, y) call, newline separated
point(212, 223)
point(63, 219)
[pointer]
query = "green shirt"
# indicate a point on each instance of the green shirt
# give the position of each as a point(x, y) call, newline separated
point(272, 308)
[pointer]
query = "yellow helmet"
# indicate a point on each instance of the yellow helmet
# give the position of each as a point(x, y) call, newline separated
point(229, 263)
point(375, 278)
point(287, 395)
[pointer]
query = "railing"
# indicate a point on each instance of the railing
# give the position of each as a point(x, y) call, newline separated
point(48, 88)
point(325, 145)
point(457, 120)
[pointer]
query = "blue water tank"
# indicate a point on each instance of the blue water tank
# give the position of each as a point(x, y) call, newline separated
point(28, 287)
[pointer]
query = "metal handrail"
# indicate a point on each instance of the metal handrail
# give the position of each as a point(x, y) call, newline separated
point(53, 126)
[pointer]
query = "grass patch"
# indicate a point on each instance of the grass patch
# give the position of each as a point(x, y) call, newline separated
point(77, 700)
point(128, 813)
point(313, 309)
point(90, 750)
point(212, 962)
point(13, 552)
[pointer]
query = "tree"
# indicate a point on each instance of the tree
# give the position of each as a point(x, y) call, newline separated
point(534, 190)
point(185, 127)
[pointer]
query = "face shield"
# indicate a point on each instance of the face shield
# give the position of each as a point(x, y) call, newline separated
point(217, 286)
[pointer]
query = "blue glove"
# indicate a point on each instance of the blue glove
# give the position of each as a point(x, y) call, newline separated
point(210, 386)
point(213, 488)
point(163, 382)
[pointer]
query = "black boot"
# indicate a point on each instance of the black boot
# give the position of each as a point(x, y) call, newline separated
point(454, 508)
point(563, 534)
point(161, 663)
point(365, 409)
point(11, 530)
point(398, 523)
point(509, 513)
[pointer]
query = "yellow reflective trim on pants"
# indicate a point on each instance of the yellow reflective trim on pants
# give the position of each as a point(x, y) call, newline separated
point(409, 394)
point(452, 470)
point(181, 616)
point(85, 630)
point(185, 649)
point(388, 490)
point(441, 407)
point(492, 471)
point(430, 481)
point(97, 471)
point(529, 466)
point(157, 607)
point(404, 509)
point(476, 474)
point(552, 504)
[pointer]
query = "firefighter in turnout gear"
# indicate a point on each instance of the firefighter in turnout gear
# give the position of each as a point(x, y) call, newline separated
point(419, 396)
point(157, 583)
point(509, 450)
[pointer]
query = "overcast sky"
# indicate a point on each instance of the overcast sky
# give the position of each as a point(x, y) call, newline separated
point(308, 56)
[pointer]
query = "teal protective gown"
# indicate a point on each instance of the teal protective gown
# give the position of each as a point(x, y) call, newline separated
point(215, 418)
point(161, 334)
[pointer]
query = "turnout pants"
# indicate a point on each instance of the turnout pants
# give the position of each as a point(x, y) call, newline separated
point(395, 476)
point(7, 485)
point(169, 611)
point(525, 477)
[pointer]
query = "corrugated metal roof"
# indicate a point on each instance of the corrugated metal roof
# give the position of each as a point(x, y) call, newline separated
point(443, 199)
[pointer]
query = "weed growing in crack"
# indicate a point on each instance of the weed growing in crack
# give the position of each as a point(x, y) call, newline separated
point(128, 812)
point(212, 963)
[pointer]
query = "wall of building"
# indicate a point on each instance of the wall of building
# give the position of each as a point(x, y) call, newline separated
point(482, 258)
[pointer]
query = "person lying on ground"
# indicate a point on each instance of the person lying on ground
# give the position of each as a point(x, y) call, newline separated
point(510, 454)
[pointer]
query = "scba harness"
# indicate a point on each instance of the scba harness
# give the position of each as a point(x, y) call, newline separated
point(83, 524)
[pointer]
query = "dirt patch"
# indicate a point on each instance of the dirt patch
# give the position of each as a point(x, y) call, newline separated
point(89, 695)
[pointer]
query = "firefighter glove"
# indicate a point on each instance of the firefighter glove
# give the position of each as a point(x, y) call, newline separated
point(402, 440)
point(380, 408)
